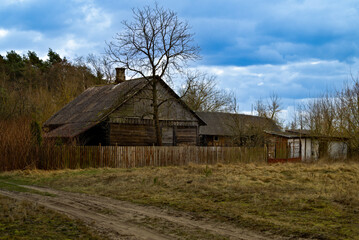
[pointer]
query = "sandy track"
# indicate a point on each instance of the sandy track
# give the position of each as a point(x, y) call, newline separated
point(123, 220)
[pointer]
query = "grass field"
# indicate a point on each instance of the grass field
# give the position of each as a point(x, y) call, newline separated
point(23, 220)
point(296, 200)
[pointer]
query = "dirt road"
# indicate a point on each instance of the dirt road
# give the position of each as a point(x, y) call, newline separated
point(123, 220)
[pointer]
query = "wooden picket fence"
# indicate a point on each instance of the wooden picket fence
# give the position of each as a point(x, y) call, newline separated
point(62, 157)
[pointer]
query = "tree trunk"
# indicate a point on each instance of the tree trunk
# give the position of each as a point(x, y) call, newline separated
point(156, 112)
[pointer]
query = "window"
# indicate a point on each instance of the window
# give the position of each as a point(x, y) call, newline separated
point(215, 138)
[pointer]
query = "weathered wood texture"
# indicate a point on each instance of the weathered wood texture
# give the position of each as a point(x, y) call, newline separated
point(131, 124)
point(144, 135)
point(61, 157)
point(186, 136)
point(222, 141)
point(279, 150)
point(132, 135)
point(140, 106)
point(168, 136)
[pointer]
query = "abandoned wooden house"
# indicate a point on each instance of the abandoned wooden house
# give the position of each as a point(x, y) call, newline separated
point(228, 129)
point(120, 114)
point(303, 145)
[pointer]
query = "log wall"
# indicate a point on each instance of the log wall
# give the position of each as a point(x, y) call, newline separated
point(186, 136)
point(144, 135)
point(222, 141)
point(132, 135)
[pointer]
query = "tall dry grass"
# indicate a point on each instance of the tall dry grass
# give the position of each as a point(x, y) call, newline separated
point(21, 148)
point(15, 144)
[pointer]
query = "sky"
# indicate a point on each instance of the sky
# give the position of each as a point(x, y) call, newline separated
point(296, 49)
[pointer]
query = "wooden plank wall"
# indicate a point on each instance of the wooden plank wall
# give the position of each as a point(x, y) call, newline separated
point(186, 136)
point(139, 156)
point(132, 135)
point(143, 135)
point(223, 141)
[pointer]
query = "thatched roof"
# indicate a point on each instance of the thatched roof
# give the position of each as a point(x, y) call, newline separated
point(226, 124)
point(91, 106)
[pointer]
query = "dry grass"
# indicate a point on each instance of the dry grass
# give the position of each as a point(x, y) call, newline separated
point(20, 150)
point(15, 143)
point(297, 200)
point(23, 220)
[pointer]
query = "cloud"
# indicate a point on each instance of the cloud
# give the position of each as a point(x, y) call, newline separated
point(72, 45)
point(242, 32)
point(96, 16)
point(3, 32)
point(269, 53)
point(230, 32)
point(16, 39)
point(90, 18)
point(72, 28)
point(13, 2)
point(66, 45)
point(293, 81)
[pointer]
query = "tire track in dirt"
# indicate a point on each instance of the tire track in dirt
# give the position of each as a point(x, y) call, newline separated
point(124, 220)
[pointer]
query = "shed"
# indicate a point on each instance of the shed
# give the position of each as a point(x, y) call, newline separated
point(303, 145)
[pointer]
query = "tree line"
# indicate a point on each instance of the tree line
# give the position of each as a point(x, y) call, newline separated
point(334, 114)
point(36, 88)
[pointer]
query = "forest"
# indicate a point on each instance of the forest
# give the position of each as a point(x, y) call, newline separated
point(33, 88)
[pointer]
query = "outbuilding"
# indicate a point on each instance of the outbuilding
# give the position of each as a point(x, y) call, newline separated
point(231, 129)
point(303, 145)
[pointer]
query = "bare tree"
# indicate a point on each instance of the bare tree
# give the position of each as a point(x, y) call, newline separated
point(154, 45)
point(298, 118)
point(270, 109)
point(347, 109)
point(102, 67)
point(321, 115)
point(334, 114)
point(201, 93)
point(260, 108)
point(274, 107)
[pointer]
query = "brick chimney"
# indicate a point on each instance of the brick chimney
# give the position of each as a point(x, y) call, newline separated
point(120, 75)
